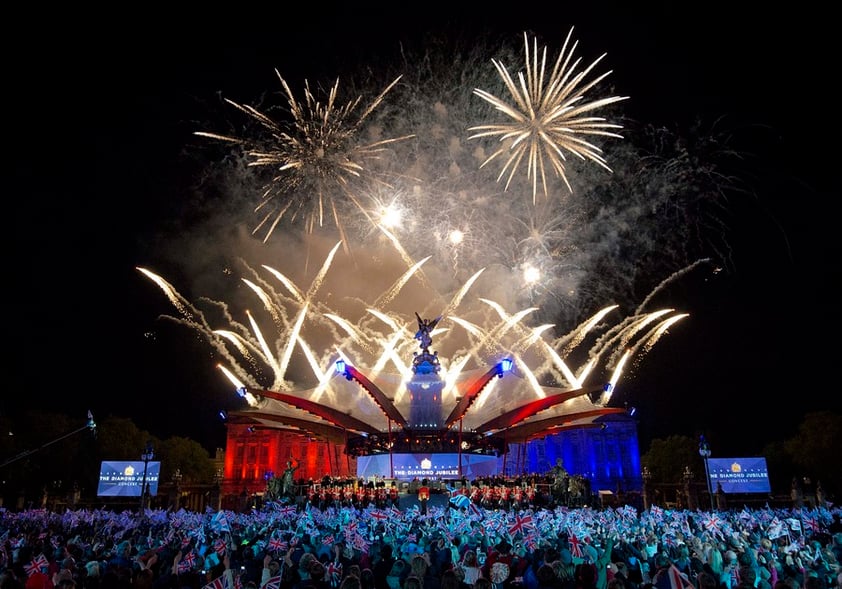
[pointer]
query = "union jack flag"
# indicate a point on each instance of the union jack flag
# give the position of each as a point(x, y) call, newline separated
point(37, 564)
point(531, 540)
point(521, 524)
point(811, 524)
point(360, 543)
point(272, 583)
point(576, 546)
point(328, 540)
point(713, 523)
point(219, 522)
point(334, 573)
point(219, 546)
point(218, 583)
point(287, 511)
point(277, 544)
point(188, 561)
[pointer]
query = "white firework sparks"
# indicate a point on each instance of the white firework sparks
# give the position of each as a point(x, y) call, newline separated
point(380, 340)
point(315, 159)
point(548, 117)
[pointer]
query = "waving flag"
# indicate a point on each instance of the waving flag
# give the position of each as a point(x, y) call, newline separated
point(188, 561)
point(776, 529)
point(277, 544)
point(272, 583)
point(219, 522)
point(576, 548)
point(37, 564)
point(677, 579)
point(221, 582)
point(334, 573)
point(219, 546)
point(521, 524)
point(461, 501)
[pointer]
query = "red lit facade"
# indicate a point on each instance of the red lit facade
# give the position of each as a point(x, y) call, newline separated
point(251, 453)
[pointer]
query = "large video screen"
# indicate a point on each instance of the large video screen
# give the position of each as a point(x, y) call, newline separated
point(119, 478)
point(420, 465)
point(739, 475)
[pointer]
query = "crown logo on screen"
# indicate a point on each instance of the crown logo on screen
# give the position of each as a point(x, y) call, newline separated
point(129, 471)
point(426, 464)
point(736, 467)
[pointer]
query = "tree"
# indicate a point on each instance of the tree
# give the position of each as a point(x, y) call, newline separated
point(815, 449)
point(667, 458)
point(189, 458)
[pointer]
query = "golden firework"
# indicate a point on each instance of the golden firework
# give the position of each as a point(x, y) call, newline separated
point(315, 157)
point(548, 116)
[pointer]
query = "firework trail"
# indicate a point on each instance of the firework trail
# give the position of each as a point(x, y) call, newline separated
point(419, 205)
point(257, 358)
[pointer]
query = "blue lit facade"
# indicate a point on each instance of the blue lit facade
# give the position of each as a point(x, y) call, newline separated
point(608, 457)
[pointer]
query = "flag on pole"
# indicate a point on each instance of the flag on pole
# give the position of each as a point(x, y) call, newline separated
point(221, 582)
point(219, 522)
point(576, 546)
point(37, 564)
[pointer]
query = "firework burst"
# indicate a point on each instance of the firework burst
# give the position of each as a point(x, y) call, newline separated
point(316, 159)
point(548, 117)
point(378, 338)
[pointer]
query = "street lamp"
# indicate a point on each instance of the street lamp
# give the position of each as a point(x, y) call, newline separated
point(176, 479)
point(688, 487)
point(704, 452)
point(147, 455)
point(647, 479)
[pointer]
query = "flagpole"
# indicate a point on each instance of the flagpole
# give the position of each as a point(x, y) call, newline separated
point(88, 425)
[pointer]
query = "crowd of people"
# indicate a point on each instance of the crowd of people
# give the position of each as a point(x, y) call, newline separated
point(457, 545)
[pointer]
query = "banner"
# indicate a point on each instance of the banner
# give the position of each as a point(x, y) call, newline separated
point(739, 475)
point(119, 478)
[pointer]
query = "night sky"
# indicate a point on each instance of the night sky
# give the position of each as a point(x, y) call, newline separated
point(105, 167)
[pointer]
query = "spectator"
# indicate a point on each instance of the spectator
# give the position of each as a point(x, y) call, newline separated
point(411, 582)
point(394, 580)
point(471, 568)
point(382, 566)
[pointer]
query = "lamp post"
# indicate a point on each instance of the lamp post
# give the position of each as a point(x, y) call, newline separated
point(647, 478)
point(147, 455)
point(176, 479)
point(688, 487)
point(704, 452)
point(217, 488)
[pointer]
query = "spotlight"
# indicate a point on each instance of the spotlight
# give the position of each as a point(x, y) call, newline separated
point(505, 365)
point(632, 411)
point(223, 415)
point(241, 392)
point(340, 367)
